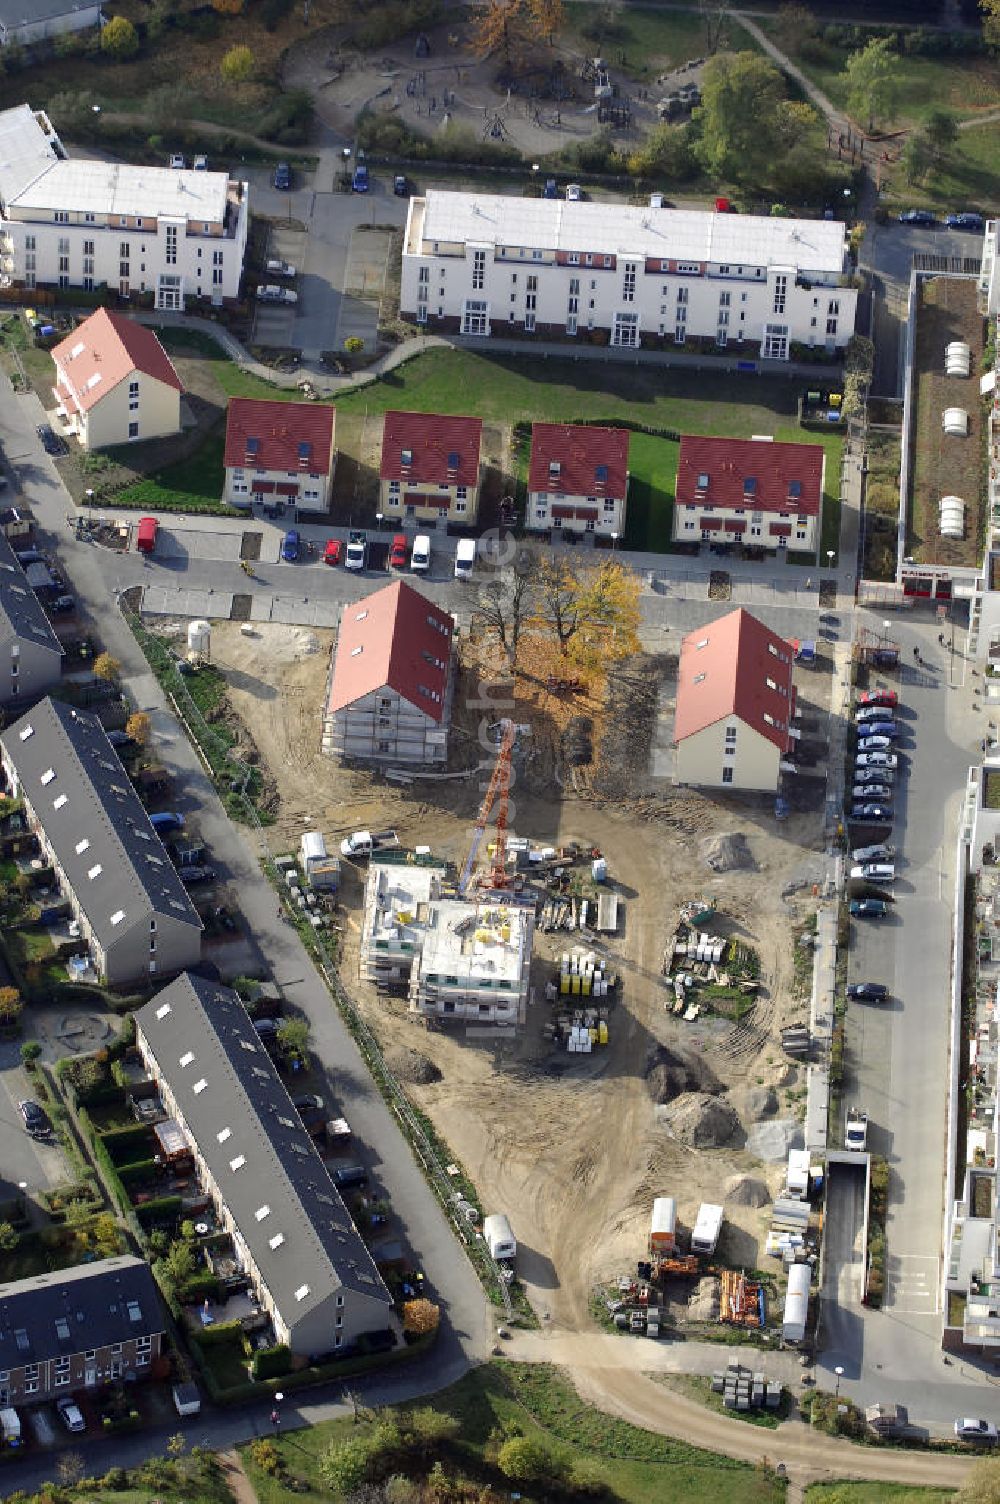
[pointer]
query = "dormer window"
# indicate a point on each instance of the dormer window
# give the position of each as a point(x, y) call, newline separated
point(406, 458)
point(750, 486)
point(555, 469)
point(702, 481)
point(453, 462)
point(794, 490)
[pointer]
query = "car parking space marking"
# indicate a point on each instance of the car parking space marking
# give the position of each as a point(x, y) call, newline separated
point(912, 1284)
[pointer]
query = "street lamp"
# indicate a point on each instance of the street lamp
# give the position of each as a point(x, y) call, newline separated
point(830, 556)
point(614, 540)
point(378, 519)
point(840, 1374)
point(885, 630)
point(276, 1413)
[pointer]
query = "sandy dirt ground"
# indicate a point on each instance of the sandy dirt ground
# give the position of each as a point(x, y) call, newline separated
point(573, 1148)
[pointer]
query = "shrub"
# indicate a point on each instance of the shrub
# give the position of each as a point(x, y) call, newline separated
point(121, 1143)
point(272, 1362)
point(160, 1209)
point(139, 1173)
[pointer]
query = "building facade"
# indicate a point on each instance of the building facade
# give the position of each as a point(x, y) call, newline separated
point(482, 264)
point(391, 682)
point(752, 492)
point(115, 383)
point(475, 961)
point(398, 896)
point(279, 452)
point(735, 705)
point(27, 22)
point(78, 1328)
point(578, 479)
point(136, 917)
point(293, 1235)
point(431, 468)
point(86, 223)
point(30, 652)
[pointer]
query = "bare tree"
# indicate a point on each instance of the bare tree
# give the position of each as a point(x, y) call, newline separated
point(714, 15)
point(509, 599)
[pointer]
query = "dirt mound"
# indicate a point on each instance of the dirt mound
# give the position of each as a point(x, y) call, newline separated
point(411, 1066)
point(728, 852)
point(670, 1074)
point(755, 1102)
point(703, 1122)
point(704, 1302)
point(744, 1190)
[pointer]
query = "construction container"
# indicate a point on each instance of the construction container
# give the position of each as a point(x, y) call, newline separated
point(793, 1324)
point(663, 1227)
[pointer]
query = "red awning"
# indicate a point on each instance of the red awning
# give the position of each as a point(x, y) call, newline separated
point(286, 488)
point(735, 525)
point(585, 514)
point(711, 524)
point(780, 529)
point(564, 512)
point(262, 487)
point(422, 499)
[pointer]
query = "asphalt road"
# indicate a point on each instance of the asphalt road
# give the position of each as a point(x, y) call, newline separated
point(897, 1056)
point(24, 1159)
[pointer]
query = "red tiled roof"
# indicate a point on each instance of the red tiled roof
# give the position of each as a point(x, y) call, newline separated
point(402, 637)
point(279, 428)
point(729, 462)
point(431, 440)
point(104, 350)
point(579, 451)
point(724, 669)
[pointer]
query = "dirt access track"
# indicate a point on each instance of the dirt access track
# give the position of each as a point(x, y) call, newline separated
point(573, 1148)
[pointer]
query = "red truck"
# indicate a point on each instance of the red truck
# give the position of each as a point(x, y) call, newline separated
point(145, 536)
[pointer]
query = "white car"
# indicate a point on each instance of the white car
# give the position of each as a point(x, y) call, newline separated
point(871, 791)
point(876, 759)
point(71, 1415)
point(968, 1429)
point(177, 160)
point(574, 193)
point(200, 163)
point(277, 268)
point(354, 555)
point(874, 872)
point(873, 744)
point(270, 292)
point(420, 555)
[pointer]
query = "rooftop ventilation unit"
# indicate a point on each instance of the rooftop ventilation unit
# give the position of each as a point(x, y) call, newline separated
point(955, 421)
point(952, 517)
point(957, 358)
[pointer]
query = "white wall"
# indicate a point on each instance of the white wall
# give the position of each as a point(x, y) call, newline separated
point(701, 758)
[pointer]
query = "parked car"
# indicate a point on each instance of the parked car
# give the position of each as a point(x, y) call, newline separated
point(964, 221)
point(869, 908)
point(177, 160)
point(867, 992)
point(36, 1119)
point(871, 791)
point(333, 550)
point(200, 163)
point(574, 193)
point(167, 820)
point(878, 814)
point(350, 1176)
point(876, 759)
point(70, 1414)
point(62, 605)
point(290, 546)
point(878, 712)
point(307, 1100)
point(399, 553)
point(420, 558)
point(881, 851)
point(885, 697)
point(275, 267)
point(465, 558)
point(917, 217)
point(193, 876)
point(875, 743)
point(551, 189)
point(357, 550)
point(874, 775)
point(282, 175)
point(875, 872)
point(270, 292)
point(51, 442)
point(967, 1429)
point(359, 181)
point(401, 185)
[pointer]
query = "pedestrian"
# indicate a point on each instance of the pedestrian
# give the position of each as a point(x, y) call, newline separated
point(276, 1420)
point(941, 638)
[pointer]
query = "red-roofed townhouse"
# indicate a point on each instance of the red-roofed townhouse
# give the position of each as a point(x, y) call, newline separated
point(115, 383)
point(279, 452)
point(735, 705)
point(430, 468)
point(749, 491)
point(578, 479)
point(389, 699)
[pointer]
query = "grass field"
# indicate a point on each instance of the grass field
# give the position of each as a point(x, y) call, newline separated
point(637, 1466)
point(874, 1493)
point(653, 42)
point(191, 485)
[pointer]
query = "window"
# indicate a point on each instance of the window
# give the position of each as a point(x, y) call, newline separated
point(123, 250)
point(424, 275)
point(133, 396)
point(478, 270)
point(61, 217)
point(133, 430)
point(725, 299)
point(831, 326)
point(680, 334)
point(31, 1386)
point(573, 259)
point(780, 289)
point(171, 245)
point(833, 308)
point(681, 314)
point(626, 330)
point(682, 295)
point(727, 775)
point(628, 283)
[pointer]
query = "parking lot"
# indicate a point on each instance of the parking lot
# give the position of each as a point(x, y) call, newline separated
point(34, 1163)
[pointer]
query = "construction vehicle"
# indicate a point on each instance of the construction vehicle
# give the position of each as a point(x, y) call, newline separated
point(498, 797)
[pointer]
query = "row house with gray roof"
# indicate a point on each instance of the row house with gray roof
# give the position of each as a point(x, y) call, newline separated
point(73, 1329)
point(30, 652)
point(135, 914)
point(293, 1235)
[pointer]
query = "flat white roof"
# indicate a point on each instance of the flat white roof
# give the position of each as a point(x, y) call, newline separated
point(25, 150)
point(396, 901)
point(675, 234)
point(123, 188)
point(475, 941)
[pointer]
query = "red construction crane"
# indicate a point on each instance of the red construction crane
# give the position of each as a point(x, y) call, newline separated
point(498, 796)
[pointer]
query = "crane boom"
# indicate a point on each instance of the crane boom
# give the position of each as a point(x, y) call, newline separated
point(497, 794)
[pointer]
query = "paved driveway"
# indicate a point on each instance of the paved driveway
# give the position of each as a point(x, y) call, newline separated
point(39, 1165)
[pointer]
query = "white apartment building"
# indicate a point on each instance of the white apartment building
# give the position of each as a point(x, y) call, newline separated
point(90, 224)
point(398, 899)
point(479, 263)
point(475, 960)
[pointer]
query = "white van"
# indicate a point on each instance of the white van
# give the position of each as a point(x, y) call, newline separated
point(359, 843)
point(465, 558)
point(420, 558)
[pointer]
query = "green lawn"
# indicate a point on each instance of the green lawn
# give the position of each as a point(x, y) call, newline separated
point(652, 464)
point(191, 485)
point(874, 1493)
point(233, 381)
point(636, 1466)
point(652, 41)
point(964, 85)
point(969, 178)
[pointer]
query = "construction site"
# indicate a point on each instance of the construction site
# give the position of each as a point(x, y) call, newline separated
point(577, 1091)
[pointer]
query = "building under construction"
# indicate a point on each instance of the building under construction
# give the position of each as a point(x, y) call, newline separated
point(475, 960)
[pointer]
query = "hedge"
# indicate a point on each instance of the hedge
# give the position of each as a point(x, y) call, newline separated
point(220, 1332)
point(108, 1170)
point(272, 1362)
point(160, 1209)
point(200, 1287)
point(101, 1096)
point(122, 1142)
point(319, 1373)
point(140, 1172)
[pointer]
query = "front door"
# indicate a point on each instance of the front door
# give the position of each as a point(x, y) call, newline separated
point(776, 342)
point(475, 318)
